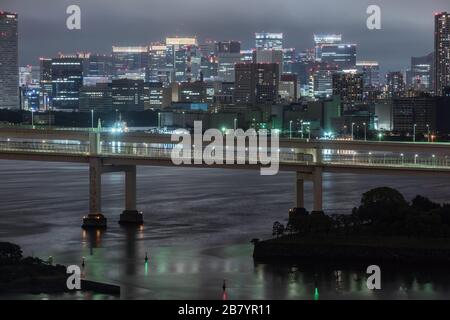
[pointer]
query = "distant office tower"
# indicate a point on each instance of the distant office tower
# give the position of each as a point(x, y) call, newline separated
point(228, 47)
point(67, 80)
point(349, 87)
point(256, 83)
point(395, 84)
point(371, 73)
point(228, 54)
point(321, 80)
point(99, 65)
point(322, 39)
point(45, 79)
point(289, 58)
point(158, 69)
point(25, 76)
point(288, 88)
point(248, 56)
point(269, 56)
point(209, 67)
point(442, 52)
point(29, 97)
point(156, 96)
point(417, 111)
point(341, 55)
point(9, 67)
point(97, 98)
point(184, 57)
point(421, 74)
point(128, 95)
point(193, 92)
point(269, 40)
point(208, 48)
point(129, 62)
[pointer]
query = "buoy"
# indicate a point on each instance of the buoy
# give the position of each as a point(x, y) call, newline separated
point(82, 262)
point(146, 257)
point(224, 286)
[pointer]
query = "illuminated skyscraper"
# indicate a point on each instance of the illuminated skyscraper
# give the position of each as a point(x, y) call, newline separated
point(442, 52)
point(341, 55)
point(158, 70)
point(184, 56)
point(269, 40)
point(67, 80)
point(322, 39)
point(289, 58)
point(422, 72)
point(229, 53)
point(256, 83)
point(349, 87)
point(371, 73)
point(395, 84)
point(9, 68)
point(130, 62)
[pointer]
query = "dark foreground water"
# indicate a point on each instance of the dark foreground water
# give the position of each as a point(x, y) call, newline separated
point(198, 227)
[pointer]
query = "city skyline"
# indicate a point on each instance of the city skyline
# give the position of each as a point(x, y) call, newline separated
point(408, 34)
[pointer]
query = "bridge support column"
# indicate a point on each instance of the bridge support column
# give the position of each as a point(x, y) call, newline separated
point(299, 191)
point(299, 207)
point(318, 191)
point(130, 215)
point(95, 219)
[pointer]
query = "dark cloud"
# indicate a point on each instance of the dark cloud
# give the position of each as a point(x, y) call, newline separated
point(407, 24)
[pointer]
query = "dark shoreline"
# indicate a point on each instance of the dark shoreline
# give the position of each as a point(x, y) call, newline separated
point(353, 249)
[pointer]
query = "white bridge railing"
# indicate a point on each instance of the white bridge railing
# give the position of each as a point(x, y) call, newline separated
point(288, 156)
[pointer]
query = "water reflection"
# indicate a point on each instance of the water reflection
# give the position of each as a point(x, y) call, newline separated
point(325, 281)
point(200, 237)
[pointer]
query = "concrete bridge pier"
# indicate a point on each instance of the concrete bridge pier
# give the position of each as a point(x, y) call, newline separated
point(316, 177)
point(318, 191)
point(95, 218)
point(299, 193)
point(130, 215)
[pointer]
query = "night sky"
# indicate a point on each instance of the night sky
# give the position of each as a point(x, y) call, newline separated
point(407, 25)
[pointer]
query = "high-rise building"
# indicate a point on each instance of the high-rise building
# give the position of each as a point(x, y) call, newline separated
point(288, 88)
point(321, 80)
point(67, 80)
point(45, 79)
point(422, 72)
point(256, 83)
point(269, 56)
point(269, 40)
point(99, 65)
point(9, 65)
point(97, 98)
point(442, 52)
point(192, 92)
point(289, 58)
point(228, 54)
point(156, 96)
point(130, 62)
point(349, 87)
point(322, 39)
point(128, 95)
point(395, 84)
point(228, 47)
point(184, 57)
point(29, 97)
point(371, 73)
point(418, 112)
point(341, 55)
point(248, 56)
